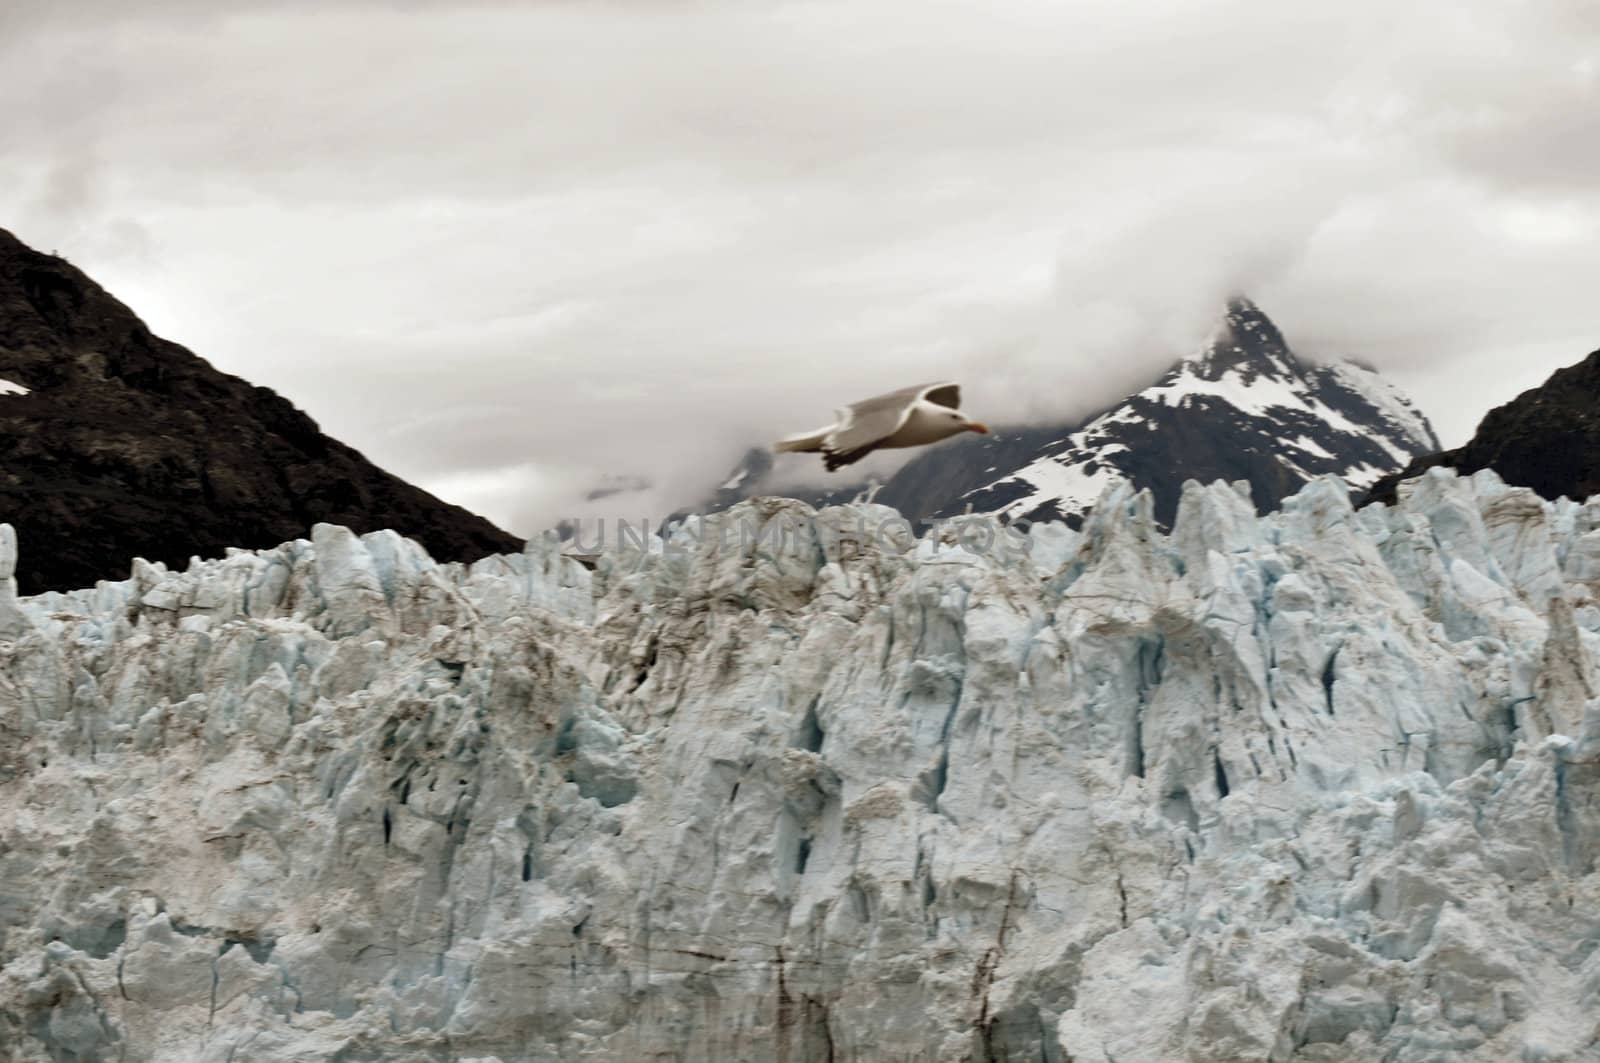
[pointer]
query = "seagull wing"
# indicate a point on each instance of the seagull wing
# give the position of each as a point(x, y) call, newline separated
point(863, 425)
point(942, 395)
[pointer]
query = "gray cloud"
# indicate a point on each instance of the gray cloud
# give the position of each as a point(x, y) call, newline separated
point(511, 249)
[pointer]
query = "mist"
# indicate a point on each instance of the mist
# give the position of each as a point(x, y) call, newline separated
point(511, 250)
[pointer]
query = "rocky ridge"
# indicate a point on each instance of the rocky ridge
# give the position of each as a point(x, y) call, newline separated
point(115, 444)
point(1547, 438)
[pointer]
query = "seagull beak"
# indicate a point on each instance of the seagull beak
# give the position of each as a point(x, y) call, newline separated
point(975, 426)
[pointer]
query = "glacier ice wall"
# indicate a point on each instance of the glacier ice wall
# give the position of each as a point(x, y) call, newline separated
point(1319, 786)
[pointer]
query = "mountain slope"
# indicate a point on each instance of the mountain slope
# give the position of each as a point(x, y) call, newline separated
point(1547, 438)
point(1315, 787)
point(1243, 408)
point(115, 443)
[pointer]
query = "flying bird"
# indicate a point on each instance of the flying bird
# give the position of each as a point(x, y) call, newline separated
point(910, 417)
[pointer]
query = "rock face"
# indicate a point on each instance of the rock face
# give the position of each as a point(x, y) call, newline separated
point(1547, 438)
point(1242, 408)
point(116, 444)
point(1319, 786)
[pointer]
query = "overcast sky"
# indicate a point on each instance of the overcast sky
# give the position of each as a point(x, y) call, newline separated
point(509, 250)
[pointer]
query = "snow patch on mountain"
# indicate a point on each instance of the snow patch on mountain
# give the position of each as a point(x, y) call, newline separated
point(8, 387)
point(1387, 399)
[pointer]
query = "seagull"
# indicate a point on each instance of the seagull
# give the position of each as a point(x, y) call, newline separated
point(910, 417)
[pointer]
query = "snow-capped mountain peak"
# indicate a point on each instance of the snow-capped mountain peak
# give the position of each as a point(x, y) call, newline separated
point(1246, 342)
point(1242, 407)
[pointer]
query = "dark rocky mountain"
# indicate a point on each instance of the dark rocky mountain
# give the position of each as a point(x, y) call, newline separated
point(1243, 408)
point(115, 443)
point(1547, 438)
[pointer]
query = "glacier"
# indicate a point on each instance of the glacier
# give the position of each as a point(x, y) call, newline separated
point(1317, 786)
